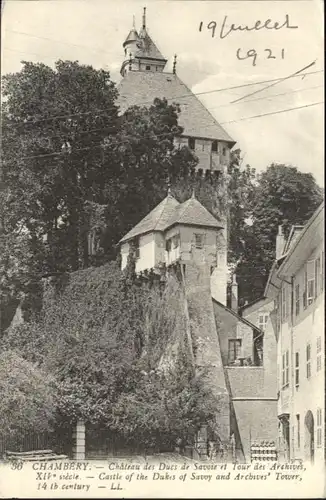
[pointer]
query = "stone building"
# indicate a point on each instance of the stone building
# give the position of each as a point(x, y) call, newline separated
point(296, 287)
point(227, 345)
point(144, 79)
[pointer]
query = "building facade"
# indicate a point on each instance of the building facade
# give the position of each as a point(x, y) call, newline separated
point(179, 232)
point(258, 312)
point(296, 286)
point(144, 79)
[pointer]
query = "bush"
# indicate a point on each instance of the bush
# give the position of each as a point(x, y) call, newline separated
point(26, 396)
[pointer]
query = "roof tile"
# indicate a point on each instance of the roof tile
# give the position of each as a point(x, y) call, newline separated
point(149, 49)
point(194, 213)
point(156, 220)
point(170, 212)
point(139, 88)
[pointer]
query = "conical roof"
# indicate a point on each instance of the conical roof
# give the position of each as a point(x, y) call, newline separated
point(156, 220)
point(132, 37)
point(192, 212)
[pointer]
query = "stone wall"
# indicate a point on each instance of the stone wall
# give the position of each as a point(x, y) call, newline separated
point(207, 350)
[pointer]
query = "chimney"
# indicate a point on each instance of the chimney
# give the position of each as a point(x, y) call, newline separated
point(234, 294)
point(280, 242)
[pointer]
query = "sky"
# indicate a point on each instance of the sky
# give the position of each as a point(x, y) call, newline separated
point(92, 32)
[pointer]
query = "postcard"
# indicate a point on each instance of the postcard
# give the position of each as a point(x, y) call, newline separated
point(162, 261)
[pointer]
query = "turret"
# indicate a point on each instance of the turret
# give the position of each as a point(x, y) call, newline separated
point(131, 46)
point(141, 53)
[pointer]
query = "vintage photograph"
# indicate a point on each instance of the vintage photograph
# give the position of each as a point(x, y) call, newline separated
point(162, 249)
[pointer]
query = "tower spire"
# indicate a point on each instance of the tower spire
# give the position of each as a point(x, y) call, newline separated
point(174, 64)
point(133, 22)
point(144, 19)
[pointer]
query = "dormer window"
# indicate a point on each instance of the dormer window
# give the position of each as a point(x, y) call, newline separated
point(191, 143)
point(214, 147)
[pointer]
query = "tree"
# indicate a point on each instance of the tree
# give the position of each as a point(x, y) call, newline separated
point(73, 168)
point(165, 409)
point(26, 396)
point(282, 196)
point(54, 122)
point(101, 335)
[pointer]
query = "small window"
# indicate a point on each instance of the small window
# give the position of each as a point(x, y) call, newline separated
point(298, 431)
point(214, 147)
point(199, 240)
point(148, 68)
point(310, 281)
point(175, 241)
point(308, 360)
point(234, 349)
point(168, 245)
point(224, 151)
point(262, 321)
point(297, 299)
point(285, 369)
point(297, 370)
point(191, 143)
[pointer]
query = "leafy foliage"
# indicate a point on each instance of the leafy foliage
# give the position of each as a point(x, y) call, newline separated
point(26, 396)
point(163, 410)
point(102, 336)
point(282, 196)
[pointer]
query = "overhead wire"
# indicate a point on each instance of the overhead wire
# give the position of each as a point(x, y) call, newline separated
point(297, 73)
point(166, 133)
point(99, 111)
point(223, 105)
point(57, 41)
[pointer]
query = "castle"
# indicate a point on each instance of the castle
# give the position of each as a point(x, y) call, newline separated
point(242, 373)
point(144, 79)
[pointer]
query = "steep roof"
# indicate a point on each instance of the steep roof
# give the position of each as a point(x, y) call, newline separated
point(148, 49)
point(156, 220)
point(236, 315)
point(133, 36)
point(170, 212)
point(194, 213)
point(139, 88)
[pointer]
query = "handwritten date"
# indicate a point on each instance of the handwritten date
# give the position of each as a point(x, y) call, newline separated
point(268, 53)
point(227, 29)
